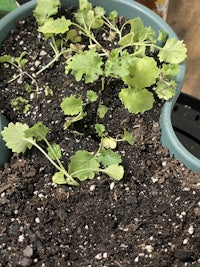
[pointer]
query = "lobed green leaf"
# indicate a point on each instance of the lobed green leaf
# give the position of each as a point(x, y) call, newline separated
point(86, 64)
point(83, 165)
point(38, 130)
point(102, 110)
point(108, 157)
point(6, 59)
point(166, 89)
point(89, 16)
point(100, 129)
point(136, 101)
point(173, 52)
point(72, 105)
point(15, 137)
point(143, 72)
point(108, 142)
point(117, 63)
point(128, 137)
point(114, 171)
point(44, 9)
point(92, 95)
point(55, 26)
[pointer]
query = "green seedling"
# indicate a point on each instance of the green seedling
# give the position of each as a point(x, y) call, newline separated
point(83, 165)
point(20, 103)
point(19, 63)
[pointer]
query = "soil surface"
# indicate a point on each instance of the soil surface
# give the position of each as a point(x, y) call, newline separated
point(151, 218)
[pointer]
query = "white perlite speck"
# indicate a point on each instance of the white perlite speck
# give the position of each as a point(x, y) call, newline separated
point(37, 220)
point(92, 187)
point(191, 230)
point(149, 248)
point(21, 238)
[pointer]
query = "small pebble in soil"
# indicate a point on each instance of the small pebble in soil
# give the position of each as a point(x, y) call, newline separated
point(99, 256)
point(25, 262)
point(28, 251)
point(197, 211)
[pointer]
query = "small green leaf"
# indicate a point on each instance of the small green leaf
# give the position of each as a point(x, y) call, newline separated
point(169, 71)
point(38, 130)
point(55, 26)
point(136, 101)
point(128, 137)
point(114, 171)
point(15, 137)
point(73, 36)
point(44, 9)
point(6, 59)
point(21, 61)
point(27, 88)
point(72, 105)
point(92, 95)
point(20, 103)
point(54, 151)
point(113, 15)
point(117, 65)
point(89, 17)
point(83, 165)
point(126, 39)
point(107, 157)
point(84, 4)
point(140, 33)
point(162, 36)
point(173, 52)
point(166, 89)
point(87, 64)
point(109, 142)
point(59, 178)
point(140, 74)
point(102, 110)
point(100, 129)
point(48, 91)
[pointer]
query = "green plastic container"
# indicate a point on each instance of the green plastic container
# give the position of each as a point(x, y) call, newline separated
point(4, 152)
point(129, 9)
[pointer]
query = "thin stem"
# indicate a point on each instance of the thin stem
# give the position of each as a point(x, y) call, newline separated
point(111, 26)
point(52, 150)
point(61, 168)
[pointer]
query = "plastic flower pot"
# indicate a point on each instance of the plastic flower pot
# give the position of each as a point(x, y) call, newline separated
point(129, 9)
point(4, 152)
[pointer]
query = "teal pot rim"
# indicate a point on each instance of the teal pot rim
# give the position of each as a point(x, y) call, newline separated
point(129, 9)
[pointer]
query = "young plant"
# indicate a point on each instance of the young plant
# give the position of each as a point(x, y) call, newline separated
point(18, 63)
point(20, 103)
point(83, 165)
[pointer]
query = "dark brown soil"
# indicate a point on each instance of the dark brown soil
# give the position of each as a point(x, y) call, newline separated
point(151, 218)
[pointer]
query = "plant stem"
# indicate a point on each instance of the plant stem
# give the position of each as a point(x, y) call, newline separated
point(61, 168)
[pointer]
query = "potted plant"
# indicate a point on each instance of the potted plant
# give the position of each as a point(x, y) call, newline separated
point(102, 222)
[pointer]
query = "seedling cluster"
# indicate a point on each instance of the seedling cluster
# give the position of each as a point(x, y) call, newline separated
point(135, 58)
